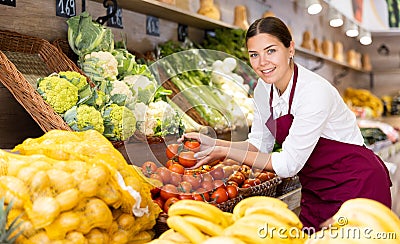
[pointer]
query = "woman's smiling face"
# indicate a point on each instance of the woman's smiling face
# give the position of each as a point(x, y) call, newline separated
point(270, 59)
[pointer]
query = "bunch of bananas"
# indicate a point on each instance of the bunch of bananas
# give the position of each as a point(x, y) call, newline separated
point(257, 219)
point(363, 98)
point(361, 221)
point(261, 219)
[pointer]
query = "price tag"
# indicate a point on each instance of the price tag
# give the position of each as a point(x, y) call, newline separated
point(182, 32)
point(65, 8)
point(12, 3)
point(116, 20)
point(152, 26)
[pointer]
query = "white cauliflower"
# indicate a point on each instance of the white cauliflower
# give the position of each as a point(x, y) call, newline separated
point(121, 94)
point(142, 87)
point(158, 118)
point(100, 65)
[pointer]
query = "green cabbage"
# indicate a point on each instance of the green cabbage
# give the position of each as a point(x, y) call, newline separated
point(86, 36)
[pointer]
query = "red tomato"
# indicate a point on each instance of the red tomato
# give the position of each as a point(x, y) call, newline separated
point(192, 145)
point(201, 194)
point(185, 187)
point(251, 182)
point(175, 179)
point(168, 191)
point(207, 185)
point(232, 183)
point(245, 186)
point(156, 177)
point(232, 191)
point(149, 167)
point(220, 195)
point(238, 177)
point(217, 173)
point(185, 196)
point(218, 184)
point(263, 176)
point(159, 201)
point(165, 175)
point(169, 163)
point(187, 159)
point(177, 168)
point(193, 179)
point(207, 177)
point(172, 150)
point(169, 202)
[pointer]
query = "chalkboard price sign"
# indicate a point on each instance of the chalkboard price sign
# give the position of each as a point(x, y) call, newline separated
point(116, 20)
point(152, 26)
point(12, 3)
point(65, 8)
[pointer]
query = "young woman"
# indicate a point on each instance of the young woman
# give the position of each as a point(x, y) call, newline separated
point(306, 115)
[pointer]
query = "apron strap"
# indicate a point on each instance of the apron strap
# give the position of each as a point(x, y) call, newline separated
point(291, 92)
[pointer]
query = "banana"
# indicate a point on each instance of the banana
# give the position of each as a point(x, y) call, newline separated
point(205, 226)
point(199, 209)
point(245, 233)
point(161, 241)
point(278, 212)
point(229, 217)
point(183, 227)
point(371, 207)
point(174, 236)
point(265, 201)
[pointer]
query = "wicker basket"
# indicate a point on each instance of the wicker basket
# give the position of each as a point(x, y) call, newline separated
point(63, 47)
point(288, 184)
point(267, 188)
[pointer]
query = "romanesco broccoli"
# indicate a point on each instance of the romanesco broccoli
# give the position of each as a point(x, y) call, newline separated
point(84, 90)
point(59, 93)
point(84, 117)
point(119, 122)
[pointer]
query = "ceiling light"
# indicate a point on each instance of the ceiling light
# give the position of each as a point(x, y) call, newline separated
point(313, 6)
point(335, 18)
point(365, 37)
point(351, 29)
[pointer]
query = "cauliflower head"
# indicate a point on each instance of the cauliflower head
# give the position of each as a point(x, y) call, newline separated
point(84, 117)
point(119, 122)
point(99, 66)
point(75, 78)
point(121, 94)
point(142, 87)
point(59, 93)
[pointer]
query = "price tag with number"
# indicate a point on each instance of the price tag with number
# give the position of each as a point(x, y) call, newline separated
point(152, 26)
point(65, 8)
point(116, 20)
point(12, 3)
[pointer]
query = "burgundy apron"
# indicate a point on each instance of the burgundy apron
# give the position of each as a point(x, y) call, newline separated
point(334, 172)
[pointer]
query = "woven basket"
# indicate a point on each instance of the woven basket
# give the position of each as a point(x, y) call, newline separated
point(63, 47)
point(288, 184)
point(267, 188)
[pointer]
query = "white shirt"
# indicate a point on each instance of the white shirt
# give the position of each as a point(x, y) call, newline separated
point(318, 110)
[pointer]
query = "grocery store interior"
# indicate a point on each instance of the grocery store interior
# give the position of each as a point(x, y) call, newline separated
point(364, 68)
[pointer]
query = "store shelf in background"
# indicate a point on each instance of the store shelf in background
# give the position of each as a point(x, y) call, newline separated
point(172, 13)
point(389, 151)
point(331, 60)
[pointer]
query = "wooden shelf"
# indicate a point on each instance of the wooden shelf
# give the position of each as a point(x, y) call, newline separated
point(331, 60)
point(172, 13)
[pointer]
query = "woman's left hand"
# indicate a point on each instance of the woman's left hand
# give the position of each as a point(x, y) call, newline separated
point(209, 155)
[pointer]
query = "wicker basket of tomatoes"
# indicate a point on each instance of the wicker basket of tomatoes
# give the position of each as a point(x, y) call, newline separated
point(288, 184)
point(251, 182)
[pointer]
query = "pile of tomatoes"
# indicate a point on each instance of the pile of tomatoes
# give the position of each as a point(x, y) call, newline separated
point(213, 184)
point(207, 184)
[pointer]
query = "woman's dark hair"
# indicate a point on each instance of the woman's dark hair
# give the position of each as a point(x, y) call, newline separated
point(272, 26)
